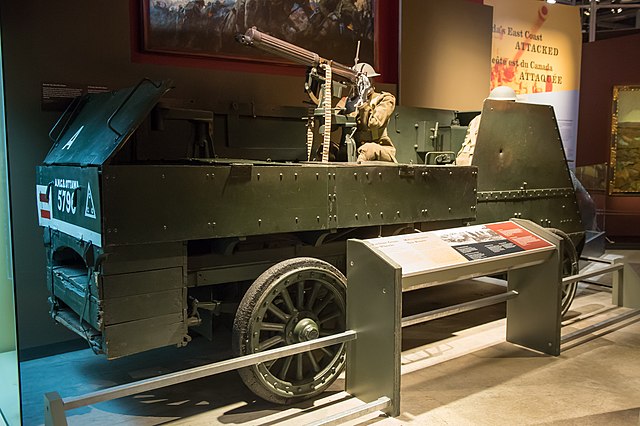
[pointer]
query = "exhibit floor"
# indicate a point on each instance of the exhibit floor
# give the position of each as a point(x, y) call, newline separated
point(456, 371)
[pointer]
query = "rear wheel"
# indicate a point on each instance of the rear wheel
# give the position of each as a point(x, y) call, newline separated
point(294, 301)
point(569, 267)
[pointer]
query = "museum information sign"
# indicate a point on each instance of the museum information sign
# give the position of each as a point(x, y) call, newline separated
point(450, 247)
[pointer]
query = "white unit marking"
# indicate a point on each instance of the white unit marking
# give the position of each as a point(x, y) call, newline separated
point(73, 138)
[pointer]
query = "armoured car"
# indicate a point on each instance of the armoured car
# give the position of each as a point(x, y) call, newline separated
point(152, 233)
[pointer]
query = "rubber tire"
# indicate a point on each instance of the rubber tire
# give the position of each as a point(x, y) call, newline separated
point(251, 299)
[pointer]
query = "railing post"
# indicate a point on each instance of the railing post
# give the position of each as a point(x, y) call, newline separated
point(626, 285)
point(54, 410)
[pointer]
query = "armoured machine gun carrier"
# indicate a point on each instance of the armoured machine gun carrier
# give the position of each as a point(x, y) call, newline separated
point(146, 242)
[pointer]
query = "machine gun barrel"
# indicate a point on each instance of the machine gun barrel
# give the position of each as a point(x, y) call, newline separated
point(275, 46)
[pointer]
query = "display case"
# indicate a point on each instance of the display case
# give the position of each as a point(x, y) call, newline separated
point(10, 390)
point(625, 141)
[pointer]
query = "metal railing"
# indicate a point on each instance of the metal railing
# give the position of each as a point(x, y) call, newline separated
point(55, 406)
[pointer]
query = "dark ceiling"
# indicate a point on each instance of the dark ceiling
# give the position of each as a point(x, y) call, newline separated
point(613, 17)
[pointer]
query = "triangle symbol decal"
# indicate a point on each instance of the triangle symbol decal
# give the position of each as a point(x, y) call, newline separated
point(89, 209)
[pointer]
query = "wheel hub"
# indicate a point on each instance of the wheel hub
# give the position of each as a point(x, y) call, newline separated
point(306, 330)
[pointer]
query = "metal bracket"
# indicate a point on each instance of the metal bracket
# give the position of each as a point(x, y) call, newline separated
point(240, 172)
point(440, 157)
point(66, 117)
point(124, 102)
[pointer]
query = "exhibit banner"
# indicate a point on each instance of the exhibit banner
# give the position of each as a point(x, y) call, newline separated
point(536, 50)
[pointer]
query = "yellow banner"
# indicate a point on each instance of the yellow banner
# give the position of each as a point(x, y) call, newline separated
point(536, 46)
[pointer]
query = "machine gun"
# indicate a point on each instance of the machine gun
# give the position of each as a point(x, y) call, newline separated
point(320, 88)
point(347, 76)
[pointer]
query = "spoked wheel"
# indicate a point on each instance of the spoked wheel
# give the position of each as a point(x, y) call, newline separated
point(294, 301)
point(569, 267)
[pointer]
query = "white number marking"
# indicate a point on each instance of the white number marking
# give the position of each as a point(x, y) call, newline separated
point(66, 201)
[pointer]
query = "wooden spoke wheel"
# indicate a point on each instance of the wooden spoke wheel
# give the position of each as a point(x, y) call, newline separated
point(569, 267)
point(294, 301)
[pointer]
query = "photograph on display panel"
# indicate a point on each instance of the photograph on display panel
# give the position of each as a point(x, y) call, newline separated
point(331, 28)
point(625, 141)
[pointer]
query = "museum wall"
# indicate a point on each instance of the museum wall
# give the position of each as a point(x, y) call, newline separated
point(80, 44)
point(445, 53)
point(607, 63)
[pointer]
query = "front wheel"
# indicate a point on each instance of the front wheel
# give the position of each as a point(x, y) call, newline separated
point(294, 301)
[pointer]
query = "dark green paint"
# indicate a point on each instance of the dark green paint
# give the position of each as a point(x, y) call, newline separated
point(173, 226)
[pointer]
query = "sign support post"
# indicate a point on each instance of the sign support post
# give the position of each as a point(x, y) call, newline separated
point(381, 269)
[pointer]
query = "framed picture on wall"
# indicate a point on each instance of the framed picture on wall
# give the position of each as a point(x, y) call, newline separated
point(330, 28)
point(625, 141)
